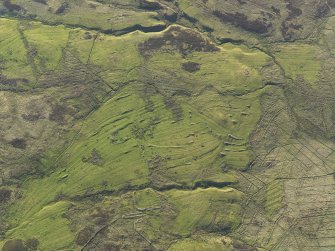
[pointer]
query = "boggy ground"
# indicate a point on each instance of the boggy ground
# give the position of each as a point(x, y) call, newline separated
point(193, 136)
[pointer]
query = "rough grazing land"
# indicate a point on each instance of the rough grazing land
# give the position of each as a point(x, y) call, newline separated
point(167, 125)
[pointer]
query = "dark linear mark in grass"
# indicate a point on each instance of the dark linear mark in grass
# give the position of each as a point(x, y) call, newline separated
point(30, 52)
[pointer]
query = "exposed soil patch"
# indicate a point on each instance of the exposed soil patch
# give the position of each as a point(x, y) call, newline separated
point(185, 41)
point(260, 26)
point(191, 66)
point(19, 143)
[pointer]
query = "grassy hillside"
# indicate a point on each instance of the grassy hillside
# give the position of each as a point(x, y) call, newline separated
point(166, 125)
point(126, 143)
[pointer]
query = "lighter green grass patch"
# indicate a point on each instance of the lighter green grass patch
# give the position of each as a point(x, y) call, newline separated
point(274, 197)
point(231, 70)
point(13, 53)
point(300, 59)
point(49, 226)
point(118, 58)
point(49, 43)
point(205, 209)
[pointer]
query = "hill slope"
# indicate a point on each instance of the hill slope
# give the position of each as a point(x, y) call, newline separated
point(167, 125)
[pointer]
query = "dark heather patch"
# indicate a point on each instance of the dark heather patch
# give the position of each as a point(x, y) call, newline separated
point(32, 243)
point(331, 3)
point(87, 36)
point(285, 31)
point(5, 81)
point(10, 6)
point(12, 81)
point(182, 92)
point(149, 105)
point(5, 195)
point(31, 117)
point(185, 41)
point(293, 11)
point(175, 108)
point(58, 113)
point(171, 16)
point(62, 8)
point(148, 5)
point(287, 28)
point(241, 246)
point(84, 235)
point(191, 66)
point(259, 25)
point(19, 143)
point(296, 26)
point(322, 10)
point(190, 18)
point(95, 158)
point(157, 170)
point(41, 1)
point(275, 10)
point(156, 162)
